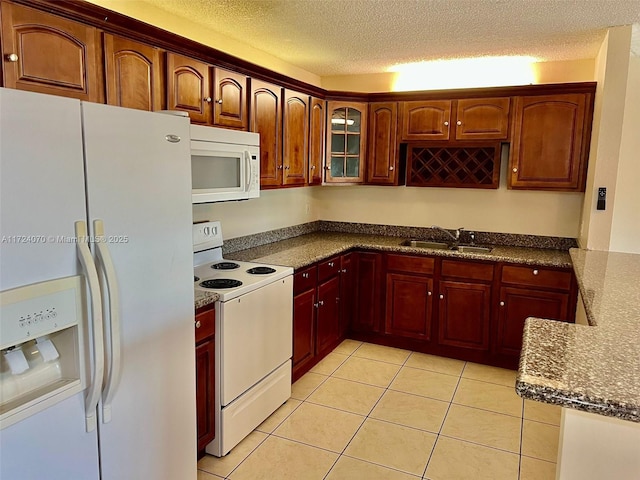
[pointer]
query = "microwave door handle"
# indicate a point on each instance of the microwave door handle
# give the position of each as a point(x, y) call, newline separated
point(248, 173)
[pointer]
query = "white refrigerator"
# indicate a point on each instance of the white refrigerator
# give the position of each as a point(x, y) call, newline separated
point(65, 164)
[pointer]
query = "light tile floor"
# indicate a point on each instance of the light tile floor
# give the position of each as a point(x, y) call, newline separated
point(377, 413)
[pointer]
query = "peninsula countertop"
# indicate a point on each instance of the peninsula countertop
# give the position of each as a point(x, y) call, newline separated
point(595, 368)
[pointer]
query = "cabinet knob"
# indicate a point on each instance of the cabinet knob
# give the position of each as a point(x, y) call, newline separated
point(446, 124)
point(279, 167)
point(441, 297)
point(219, 101)
point(344, 270)
point(428, 294)
point(391, 167)
point(198, 324)
point(327, 167)
point(515, 170)
point(337, 299)
point(502, 304)
point(315, 305)
point(287, 167)
point(207, 99)
point(313, 167)
point(458, 123)
point(535, 272)
point(305, 275)
point(11, 57)
point(331, 264)
point(321, 302)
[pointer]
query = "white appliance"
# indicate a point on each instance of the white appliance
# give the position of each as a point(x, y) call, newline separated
point(225, 164)
point(254, 327)
point(101, 194)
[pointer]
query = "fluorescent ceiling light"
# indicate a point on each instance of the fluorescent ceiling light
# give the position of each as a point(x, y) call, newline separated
point(464, 73)
point(341, 121)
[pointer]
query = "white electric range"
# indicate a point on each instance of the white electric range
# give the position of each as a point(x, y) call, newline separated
point(253, 340)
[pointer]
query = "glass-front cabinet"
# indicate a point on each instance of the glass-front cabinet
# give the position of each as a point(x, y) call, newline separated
point(346, 131)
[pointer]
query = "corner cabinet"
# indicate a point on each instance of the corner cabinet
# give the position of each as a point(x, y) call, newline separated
point(550, 142)
point(382, 148)
point(346, 142)
point(45, 53)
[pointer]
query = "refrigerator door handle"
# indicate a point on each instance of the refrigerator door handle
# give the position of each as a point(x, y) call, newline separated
point(113, 322)
point(92, 395)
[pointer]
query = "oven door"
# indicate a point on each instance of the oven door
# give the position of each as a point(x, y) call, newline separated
point(256, 336)
point(219, 172)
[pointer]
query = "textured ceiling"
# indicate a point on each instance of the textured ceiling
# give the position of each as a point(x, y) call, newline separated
point(340, 37)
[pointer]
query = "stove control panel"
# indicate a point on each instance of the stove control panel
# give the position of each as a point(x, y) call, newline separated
point(206, 235)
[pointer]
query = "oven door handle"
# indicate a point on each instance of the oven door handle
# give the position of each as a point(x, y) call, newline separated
point(92, 395)
point(112, 323)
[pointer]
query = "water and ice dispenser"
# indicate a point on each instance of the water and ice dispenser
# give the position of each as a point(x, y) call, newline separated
point(41, 346)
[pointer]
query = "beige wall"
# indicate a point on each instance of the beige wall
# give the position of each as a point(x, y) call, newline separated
point(542, 72)
point(274, 209)
point(612, 67)
point(502, 210)
point(625, 226)
point(155, 16)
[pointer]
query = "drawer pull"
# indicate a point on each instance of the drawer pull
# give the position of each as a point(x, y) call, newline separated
point(321, 302)
point(502, 304)
point(441, 297)
point(331, 264)
point(305, 275)
point(344, 270)
point(428, 294)
point(198, 324)
point(535, 272)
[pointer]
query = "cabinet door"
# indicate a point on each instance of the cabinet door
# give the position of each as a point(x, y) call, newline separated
point(409, 299)
point(230, 108)
point(205, 384)
point(295, 138)
point(346, 142)
point(382, 164)
point(516, 304)
point(316, 140)
point(328, 324)
point(482, 119)
point(133, 74)
point(464, 314)
point(368, 293)
point(189, 87)
point(266, 119)
point(48, 54)
point(426, 120)
point(304, 311)
point(347, 291)
point(548, 145)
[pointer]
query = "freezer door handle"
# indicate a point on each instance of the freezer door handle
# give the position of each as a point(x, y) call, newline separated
point(92, 395)
point(111, 322)
point(248, 169)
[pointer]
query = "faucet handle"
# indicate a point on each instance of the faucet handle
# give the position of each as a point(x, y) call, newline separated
point(459, 232)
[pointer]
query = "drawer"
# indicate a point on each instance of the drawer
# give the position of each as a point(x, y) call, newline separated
point(305, 279)
point(467, 270)
point(536, 277)
point(205, 324)
point(328, 268)
point(410, 264)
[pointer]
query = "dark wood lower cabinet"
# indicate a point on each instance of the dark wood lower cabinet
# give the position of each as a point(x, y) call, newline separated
point(516, 304)
point(328, 316)
point(304, 338)
point(205, 384)
point(408, 308)
point(464, 314)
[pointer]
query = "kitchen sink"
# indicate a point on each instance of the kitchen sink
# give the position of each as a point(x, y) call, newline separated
point(425, 244)
point(445, 246)
point(470, 249)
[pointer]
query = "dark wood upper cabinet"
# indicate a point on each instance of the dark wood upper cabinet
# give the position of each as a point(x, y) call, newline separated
point(408, 308)
point(482, 118)
point(295, 138)
point(230, 102)
point(48, 54)
point(316, 140)
point(426, 120)
point(382, 158)
point(549, 143)
point(133, 74)
point(266, 119)
point(346, 142)
point(189, 87)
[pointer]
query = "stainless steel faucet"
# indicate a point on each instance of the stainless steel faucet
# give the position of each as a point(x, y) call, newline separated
point(456, 237)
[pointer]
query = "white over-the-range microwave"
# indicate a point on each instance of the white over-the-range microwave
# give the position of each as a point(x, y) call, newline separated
point(225, 164)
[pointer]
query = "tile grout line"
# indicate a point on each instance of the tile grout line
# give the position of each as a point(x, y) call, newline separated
point(444, 419)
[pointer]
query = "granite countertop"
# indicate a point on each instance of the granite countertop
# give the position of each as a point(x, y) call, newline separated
point(304, 250)
point(202, 298)
point(595, 368)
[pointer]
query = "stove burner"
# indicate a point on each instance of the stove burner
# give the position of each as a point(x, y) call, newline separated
point(225, 266)
point(261, 270)
point(221, 283)
point(195, 279)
